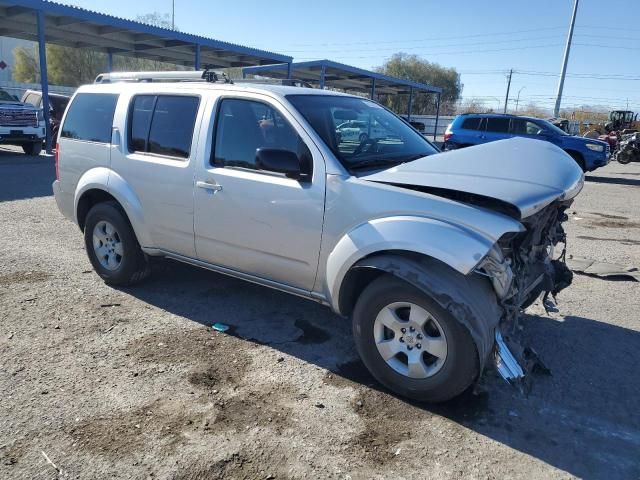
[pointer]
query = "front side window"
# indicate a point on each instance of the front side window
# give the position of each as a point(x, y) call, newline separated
point(90, 117)
point(361, 133)
point(243, 126)
point(521, 126)
point(162, 124)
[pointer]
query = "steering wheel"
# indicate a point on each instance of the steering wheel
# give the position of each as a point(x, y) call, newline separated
point(367, 141)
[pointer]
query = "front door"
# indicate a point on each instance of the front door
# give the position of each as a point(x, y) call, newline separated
point(252, 220)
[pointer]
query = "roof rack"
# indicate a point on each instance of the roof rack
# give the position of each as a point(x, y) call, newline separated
point(165, 76)
point(207, 75)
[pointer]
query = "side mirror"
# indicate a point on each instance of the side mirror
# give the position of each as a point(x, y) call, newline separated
point(278, 160)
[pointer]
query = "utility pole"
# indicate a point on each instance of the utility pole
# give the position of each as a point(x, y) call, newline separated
point(518, 98)
point(506, 99)
point(173, 14)
point(556, 110)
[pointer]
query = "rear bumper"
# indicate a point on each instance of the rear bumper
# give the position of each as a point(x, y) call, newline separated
point(64, 201)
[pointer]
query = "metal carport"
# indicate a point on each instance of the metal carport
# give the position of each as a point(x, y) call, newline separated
point(49, 22)
point(327, 73)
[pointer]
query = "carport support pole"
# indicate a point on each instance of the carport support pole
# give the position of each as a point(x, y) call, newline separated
point(410, 104)
point(435, 128)
point(373, 89)
point(44, 79)
point(323, 72)
point(197, 57)
point(289, 70)
point(109, 62)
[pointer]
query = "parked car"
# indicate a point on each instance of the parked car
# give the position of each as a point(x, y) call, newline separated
point(477, 128)
point(57, 105)
point(20, 124)
point(361, 130)
point(433, 255)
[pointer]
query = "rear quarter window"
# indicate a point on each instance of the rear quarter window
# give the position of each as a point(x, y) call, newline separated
point(90, 117)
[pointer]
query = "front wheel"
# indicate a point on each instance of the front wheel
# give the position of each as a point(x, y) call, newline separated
point(411, 344)
point(112, 246)
point(32, 148)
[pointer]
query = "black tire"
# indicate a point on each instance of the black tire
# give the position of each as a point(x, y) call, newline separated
point(134, 265)
point(363, 137)
point(33, 148)
point(461, 365)
point(578, 159)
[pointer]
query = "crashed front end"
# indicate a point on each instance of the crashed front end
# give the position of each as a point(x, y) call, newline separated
point(522, 267)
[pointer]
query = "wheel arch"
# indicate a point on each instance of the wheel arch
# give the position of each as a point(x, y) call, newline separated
point(454, 245)
point(101, 185)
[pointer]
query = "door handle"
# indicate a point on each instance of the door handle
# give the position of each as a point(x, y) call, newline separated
point(208, 186)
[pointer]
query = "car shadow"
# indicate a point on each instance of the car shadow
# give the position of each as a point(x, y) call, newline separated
point(612, 180)
point(583, 419)
point(23, 176)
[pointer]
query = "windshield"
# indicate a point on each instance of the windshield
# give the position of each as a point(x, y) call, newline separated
point(360, 132)
point(550, 126)
point(5, 97)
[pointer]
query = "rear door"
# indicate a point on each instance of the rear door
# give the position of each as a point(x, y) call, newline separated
point(497, 128)
point(155, 156)
point(251, 220)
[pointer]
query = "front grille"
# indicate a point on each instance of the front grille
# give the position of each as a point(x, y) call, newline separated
point(14, 117)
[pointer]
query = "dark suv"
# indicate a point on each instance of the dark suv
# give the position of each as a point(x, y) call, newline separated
point(475, 128)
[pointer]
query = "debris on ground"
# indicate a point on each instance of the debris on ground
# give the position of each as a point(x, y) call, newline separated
point(220, 327)
point(589, 266)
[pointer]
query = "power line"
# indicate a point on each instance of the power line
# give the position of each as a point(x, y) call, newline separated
point(459, 52)
point(477, 35)
point(342, 50)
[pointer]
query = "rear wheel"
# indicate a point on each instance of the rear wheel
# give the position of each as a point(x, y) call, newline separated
point(32, 148)
point(411, 344)
point(112, 246)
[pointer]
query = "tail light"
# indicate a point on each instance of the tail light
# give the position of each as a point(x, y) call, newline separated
point(56, 156)
point(447, 136)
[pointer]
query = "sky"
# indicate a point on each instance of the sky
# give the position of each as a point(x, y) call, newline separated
point(481, 39)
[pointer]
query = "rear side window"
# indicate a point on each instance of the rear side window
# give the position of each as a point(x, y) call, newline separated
point(162, 124)
point(90, 117)
point(472, 123)
point(498, 125)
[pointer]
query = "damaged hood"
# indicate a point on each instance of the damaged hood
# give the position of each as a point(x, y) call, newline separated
point(527, 174)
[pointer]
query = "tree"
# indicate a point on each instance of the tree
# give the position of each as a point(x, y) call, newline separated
point(26, 67)
point(76, 66)
point(412, 67)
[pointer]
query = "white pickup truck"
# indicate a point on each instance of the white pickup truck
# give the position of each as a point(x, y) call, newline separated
point(21, 124)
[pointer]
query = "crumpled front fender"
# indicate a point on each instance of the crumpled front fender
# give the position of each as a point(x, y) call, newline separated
point(456, 246)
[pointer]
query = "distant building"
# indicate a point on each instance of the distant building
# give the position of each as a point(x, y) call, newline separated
point(7, 60)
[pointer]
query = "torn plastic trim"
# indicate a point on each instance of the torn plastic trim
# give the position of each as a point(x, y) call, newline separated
point(505, 362)
point(498, 269)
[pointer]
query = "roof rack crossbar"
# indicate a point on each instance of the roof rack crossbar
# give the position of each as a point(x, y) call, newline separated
point(206, 75)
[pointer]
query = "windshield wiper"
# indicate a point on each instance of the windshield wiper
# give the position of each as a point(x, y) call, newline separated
point(375, 163)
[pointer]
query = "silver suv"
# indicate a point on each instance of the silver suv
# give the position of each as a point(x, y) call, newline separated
point(433, 255)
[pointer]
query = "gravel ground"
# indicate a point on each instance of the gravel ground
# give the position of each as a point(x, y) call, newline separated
point(133, 383)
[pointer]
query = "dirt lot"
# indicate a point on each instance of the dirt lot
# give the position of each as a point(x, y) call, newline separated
point(135, 384)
